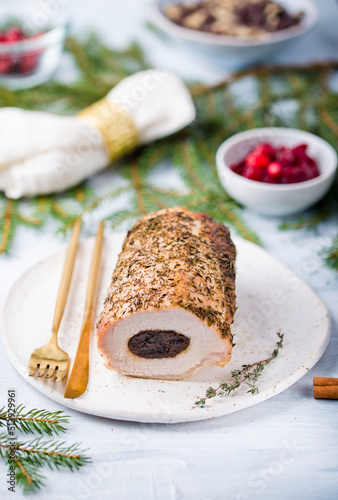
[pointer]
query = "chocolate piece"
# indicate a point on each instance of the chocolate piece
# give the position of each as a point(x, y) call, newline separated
point(265, 14)
point(158, 344)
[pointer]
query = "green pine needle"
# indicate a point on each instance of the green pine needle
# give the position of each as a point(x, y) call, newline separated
point(28, 457)
point(31, 421)
point(27, 477)
point(221, 112)
point(317, 215)
point(329, 254)
point(52, 454)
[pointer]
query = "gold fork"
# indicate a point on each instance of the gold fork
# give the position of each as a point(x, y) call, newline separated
point(50, 359)
point(78, 379)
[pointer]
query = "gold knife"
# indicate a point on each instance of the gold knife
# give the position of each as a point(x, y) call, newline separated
point(78, 380)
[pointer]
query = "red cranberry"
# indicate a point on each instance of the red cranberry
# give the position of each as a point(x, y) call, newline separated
point(265, 149)
point(284, 156)
point(16, 63)
point(271, 180)
point(259, 160)
point(313, 167)
point(255, 174)
point(301, 149)
point(5, 64)
point(238, 167)
point(36, 35)
point(274, 169)
point(278, 164)
point(29, 62)
point(14, 34)
point(301, 174)
point(288, 175)
point(315, 172)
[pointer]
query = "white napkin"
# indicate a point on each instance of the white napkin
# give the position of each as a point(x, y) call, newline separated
point(41, 153)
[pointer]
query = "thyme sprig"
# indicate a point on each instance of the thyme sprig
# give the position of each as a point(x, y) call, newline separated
point(31, 421)
point(248, 374)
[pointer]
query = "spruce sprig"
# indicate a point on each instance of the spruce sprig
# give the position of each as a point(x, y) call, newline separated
point(329, 254)
point(27, 477)
point(28, 457)
point(221, 112)
point(248, 374)
point(31, 421)
point(312, 220)
point(54, 454)
point(33, 455)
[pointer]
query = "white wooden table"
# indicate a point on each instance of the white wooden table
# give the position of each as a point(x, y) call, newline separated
point(284, 448)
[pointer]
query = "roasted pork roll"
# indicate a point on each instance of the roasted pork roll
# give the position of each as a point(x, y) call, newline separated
point(171, 300)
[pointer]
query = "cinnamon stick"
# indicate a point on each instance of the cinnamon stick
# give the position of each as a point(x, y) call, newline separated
point(325, 388)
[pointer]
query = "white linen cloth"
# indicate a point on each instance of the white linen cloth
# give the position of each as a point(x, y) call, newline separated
point(42, 153)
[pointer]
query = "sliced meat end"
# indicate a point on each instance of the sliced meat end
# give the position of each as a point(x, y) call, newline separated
point(117, 342)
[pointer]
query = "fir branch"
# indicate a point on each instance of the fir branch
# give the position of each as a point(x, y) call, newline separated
point(263, 70)
point(137, 184)
point(31, 456)
point(113, 194)
point(7, 219)
point(329, 121)
point(53, 454)
point(185, 160)
point(79, 193)
point(329, 254)
point(158, 202)
point(156, 30)
point(248, 374)
point(27, 477)
point(123, 219)
point(191, 151)
point(29, 221)
point(320, 213)
point(31, 421)
point(238, 223)
point(80, 56)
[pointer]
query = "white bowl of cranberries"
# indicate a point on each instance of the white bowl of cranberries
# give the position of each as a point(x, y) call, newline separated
point(276, 171)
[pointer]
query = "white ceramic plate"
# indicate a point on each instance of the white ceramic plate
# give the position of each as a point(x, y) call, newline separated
point(271, 298)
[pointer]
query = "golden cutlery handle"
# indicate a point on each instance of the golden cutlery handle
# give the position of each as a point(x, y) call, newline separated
point(78, 379)
point(94, 274)
point(66, 278)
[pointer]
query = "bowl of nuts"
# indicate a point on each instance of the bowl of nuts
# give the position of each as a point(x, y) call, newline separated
point(237, 32)
point(276, 171)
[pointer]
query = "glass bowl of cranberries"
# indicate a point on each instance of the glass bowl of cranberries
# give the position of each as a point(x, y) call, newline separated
point(276, 171)
point(31, 42)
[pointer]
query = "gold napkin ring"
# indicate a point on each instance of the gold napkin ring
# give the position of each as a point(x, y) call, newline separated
point(113, 121)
